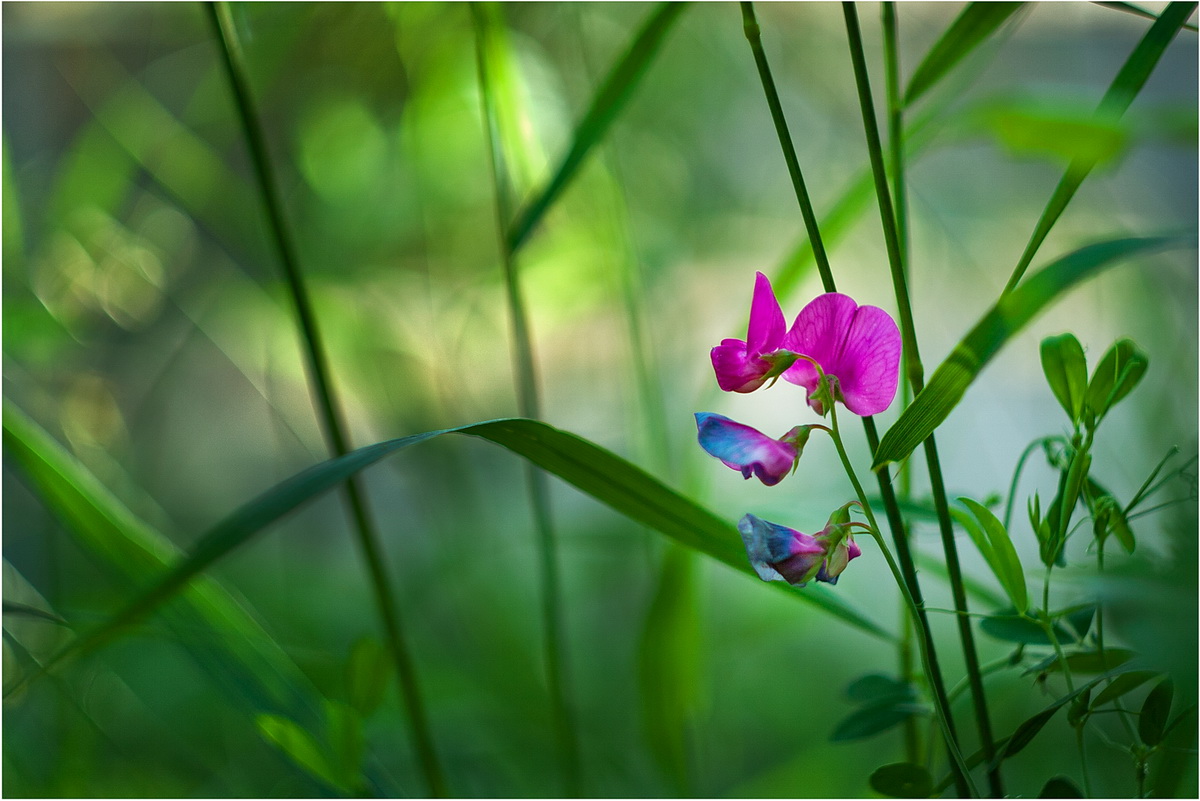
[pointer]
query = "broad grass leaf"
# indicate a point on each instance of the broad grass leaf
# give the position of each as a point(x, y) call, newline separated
point(1065, 367)
point(608, 101)
point(902, 780)
point(24, 610)
point(976, 23)
point(1001, 556)
point(594, 470)
point(952, 378)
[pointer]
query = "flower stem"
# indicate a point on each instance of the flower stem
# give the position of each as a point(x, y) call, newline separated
point(332, 424)
point(940, 705)
point(886, 491)
point(915, 373)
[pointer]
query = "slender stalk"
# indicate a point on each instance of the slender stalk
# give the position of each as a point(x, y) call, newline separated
point(916, 377)
point(754, 37)
point(886, 491)
point(332, 423)
point(891, 62)
point(940, 705)
point(529, 405)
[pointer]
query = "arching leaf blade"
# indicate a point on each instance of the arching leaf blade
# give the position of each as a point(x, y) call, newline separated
point(606, 104)
point(976, 23)
point(952, 378)
point(596, 471)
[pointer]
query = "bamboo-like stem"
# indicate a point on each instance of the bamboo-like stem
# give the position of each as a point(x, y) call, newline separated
point(886, 491)
point(529, 405)
point(332, 423)
point(915, 372)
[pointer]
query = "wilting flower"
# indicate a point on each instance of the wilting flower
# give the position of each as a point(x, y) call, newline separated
point(858, 348)
point(746, 366)
point(779, 553)
point(749, 450)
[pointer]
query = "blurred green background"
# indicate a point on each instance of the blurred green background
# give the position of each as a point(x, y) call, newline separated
point(147, 329)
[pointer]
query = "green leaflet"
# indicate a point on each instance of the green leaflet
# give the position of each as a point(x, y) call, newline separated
point(1000, 554)
point(977, 22)
point(951, 379)
point(592, 469)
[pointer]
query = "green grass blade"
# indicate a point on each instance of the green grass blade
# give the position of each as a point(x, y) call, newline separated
point(605, 106)
point(592, 469)
point(320, 380)
point(490, 47)
point(1130, 8)
point(951, 379)
point(105, 528)
point(976, 23)
point(1125, 87)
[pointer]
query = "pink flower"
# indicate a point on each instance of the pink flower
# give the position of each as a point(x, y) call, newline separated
point(749, 450)
point(746, 366)
point(858, 348)
point(779, 553)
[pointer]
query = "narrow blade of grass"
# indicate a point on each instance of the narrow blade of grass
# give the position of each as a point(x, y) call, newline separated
point(1130, 8)
point(975, 24)
point(606, 104)
point(105, 527)
point(1125, 87)
point(952, 378)
point(489, 46)
point(320, 380)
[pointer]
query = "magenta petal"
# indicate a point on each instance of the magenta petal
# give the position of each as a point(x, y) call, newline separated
point(736, 370)
point(766, 319)
point(869, 368)
point(819, 332)
point(860, 345)
point(744, 448)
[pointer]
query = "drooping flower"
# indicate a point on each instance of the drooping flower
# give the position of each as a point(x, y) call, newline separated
point(779, 553)
point(746, 366)
point(749, 450)
point(858, 348)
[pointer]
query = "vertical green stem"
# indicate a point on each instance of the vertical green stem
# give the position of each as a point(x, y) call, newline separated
point(333, 426)
point(886, 491)
point(940, 703)
point(916, 377)
point(891, 63)
point(529, 405)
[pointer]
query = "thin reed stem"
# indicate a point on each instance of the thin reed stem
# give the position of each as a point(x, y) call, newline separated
point(886, 491)
point(915, 372)
point(332, 423)
point(529, 405)
point(891, 63)
point(940, 704)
